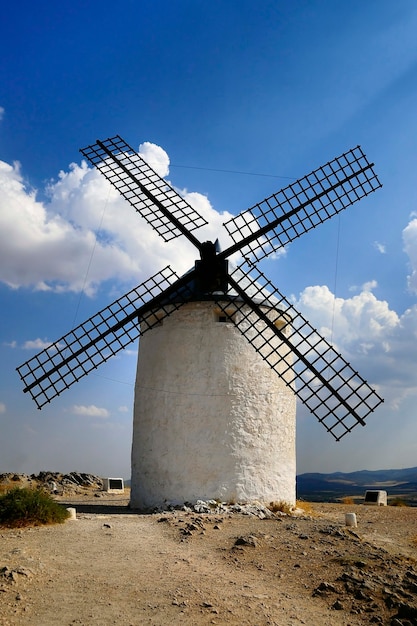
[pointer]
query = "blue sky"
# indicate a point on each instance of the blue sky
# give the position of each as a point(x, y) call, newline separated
point(240, 99)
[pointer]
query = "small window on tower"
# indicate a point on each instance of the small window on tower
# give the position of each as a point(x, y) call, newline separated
point(223, 318)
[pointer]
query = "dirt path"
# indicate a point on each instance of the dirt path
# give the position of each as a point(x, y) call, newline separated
point(111, 566)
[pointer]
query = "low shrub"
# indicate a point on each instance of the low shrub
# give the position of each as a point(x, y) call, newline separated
point(281, 506)
point(398, 502)
point(30, 507)
point(305, 506)
point(5, 487)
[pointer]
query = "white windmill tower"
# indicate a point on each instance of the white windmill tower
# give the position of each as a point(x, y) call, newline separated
point(212, 420)
point(222, 352)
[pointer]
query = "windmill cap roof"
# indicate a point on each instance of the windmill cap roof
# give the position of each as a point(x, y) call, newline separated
point(259, 295)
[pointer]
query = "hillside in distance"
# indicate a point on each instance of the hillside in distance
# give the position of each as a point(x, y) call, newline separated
point(398, 483)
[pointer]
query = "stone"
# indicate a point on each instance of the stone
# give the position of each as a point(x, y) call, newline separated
point(249, 540)
point(323, 589)
point(338, 606)
point(407, 611)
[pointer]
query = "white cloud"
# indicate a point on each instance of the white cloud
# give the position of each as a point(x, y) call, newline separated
point(36, 344)
point(87, 233)
point(380, 247)
point(156, 157)
point(2, 112)
point(90, 411)
point(370, 285)
point(353, 320)
point(45, 248)
point(377, 341)
point(410, 247)
point(2, 407)
point(124, 409)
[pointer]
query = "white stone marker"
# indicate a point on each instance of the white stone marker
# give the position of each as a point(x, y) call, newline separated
point(350, 520)
point(72, 512)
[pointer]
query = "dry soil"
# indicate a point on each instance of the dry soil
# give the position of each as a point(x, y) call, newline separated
point(114, 566)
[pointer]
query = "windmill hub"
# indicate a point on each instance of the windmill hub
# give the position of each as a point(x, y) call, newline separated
point(211, 270)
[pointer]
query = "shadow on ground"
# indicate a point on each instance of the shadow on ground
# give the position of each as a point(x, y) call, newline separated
point(102, 508)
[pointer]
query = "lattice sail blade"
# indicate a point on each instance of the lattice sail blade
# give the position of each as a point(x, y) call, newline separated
point(150, 195)
point(103, 335)
point(303, 205)
point(323, 380)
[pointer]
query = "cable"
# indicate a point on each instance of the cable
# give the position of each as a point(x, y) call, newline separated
point(335, 278)
point(77, 308)
point(212, 169)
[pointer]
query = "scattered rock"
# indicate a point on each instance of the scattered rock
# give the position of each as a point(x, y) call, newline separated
point(407, 611)
point(249, 540)
point(326, 587)
point(338, 606)
point(255, 509)
point(11, 575)
point(54, 482)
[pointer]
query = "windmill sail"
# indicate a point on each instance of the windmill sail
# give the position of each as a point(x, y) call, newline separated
point(323, 380)
point(152, 197)
point(303, 205)
point(103, 335)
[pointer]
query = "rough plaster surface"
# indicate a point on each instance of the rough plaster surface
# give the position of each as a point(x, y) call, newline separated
point(211, 418)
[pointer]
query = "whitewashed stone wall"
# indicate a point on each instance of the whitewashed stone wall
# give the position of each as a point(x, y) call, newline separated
point(211, 418)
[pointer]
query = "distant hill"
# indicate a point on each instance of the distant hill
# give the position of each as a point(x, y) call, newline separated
point(331, 487)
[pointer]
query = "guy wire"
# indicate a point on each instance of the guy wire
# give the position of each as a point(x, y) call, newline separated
point(77, 308)
point(335, 278)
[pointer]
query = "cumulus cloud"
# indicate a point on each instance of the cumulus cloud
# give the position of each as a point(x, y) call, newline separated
point(2, 407)
point(89, 411)
point(156, 157)
point(86, 233)
point(39, 247)
point(377, 341)
point(351, 321)
point(410, 247)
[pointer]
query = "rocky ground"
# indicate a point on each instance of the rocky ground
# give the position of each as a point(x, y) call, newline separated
point(114, 566)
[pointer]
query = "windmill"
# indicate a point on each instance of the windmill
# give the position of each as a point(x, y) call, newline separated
point(215, 403)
